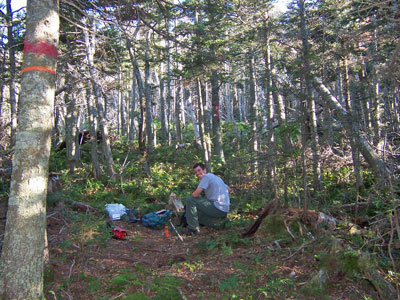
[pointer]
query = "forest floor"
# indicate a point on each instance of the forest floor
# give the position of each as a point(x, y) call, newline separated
point(86, 263)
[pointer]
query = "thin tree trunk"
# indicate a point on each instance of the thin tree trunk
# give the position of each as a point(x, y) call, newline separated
point(163, 110)
point(23, 249)
point(71, 130)
point(149, 118)
point(169, 92)
point(141, 135)
point(3, 64)
point(228, 102)
point(11, 82)
point(93, 133)
point(216, 118)
point(240, 103)
point(253, 146)
point(89, 43)
point(122, 112)
point(183, 105)
point(205, 137)
point(141, 90)
point(178, 99)
point(376, 107)
point(193, 117)
point(310, 99)
point(132, 127)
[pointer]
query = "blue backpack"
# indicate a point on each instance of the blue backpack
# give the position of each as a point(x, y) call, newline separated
point(156, 220)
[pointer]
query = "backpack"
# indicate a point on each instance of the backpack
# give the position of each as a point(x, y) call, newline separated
point(156, 220)
point(119, 233)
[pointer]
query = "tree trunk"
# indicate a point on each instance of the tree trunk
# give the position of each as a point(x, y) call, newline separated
point(269, 115)
point(310, 99)
point(376, 107)
point(149, 118)
point(253, 147)
point(132, 127)
point(140, 84)
point(204, 134)
point(11, 82)
point(23, 249)
point(90, 45)
point(377, 165)
point(3, 63)
point(169, 93)
point(93, 133)
point(163, 111)
point(121, 106)
point(193, 117)
point(71, 130)
point(216, 118)
point(178, 99)
point(228, 102)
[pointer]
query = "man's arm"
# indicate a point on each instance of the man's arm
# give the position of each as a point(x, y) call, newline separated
point(197, 192)
point(229, 190)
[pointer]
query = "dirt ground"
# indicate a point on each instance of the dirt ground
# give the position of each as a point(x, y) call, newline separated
point(84, 270)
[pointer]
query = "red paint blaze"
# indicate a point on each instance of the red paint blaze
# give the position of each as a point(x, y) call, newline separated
point(40, 48)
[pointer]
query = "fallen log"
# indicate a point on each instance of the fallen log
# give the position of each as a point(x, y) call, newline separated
point(82, 206)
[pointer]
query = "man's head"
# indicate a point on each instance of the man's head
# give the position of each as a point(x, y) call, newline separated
point(199, 170)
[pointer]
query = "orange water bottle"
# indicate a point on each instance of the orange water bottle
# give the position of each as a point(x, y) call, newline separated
point(166, 231)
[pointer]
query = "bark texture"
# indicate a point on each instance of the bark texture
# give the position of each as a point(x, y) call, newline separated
point(22, 257)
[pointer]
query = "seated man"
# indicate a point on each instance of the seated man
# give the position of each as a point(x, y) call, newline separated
point(207, 211)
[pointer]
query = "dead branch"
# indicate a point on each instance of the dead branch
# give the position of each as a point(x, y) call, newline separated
point(270, 208)
point(82, 206)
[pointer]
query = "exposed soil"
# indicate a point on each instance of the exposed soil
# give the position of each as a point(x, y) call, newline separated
point(84, 270)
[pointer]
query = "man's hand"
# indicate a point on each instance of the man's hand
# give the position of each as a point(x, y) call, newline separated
point(197, 192)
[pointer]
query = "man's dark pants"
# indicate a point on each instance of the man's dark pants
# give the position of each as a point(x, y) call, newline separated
point(202, 211)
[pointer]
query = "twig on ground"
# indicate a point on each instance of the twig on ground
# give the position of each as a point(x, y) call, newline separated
point(120, 295)
point(83, 206)
point(288, 230)
point(61, 230)
point(181, 293)
point(300, 249)
point(70, 269)
point(69, 296)
point(52, 214)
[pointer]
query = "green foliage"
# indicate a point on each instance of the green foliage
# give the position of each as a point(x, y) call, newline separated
point(93, 283)
point(229, 284)
point(89, 229)
point(136, 296)
point(273, 224)
point(120, 282)
point(275, 287)
point(166, 287)
point(57, 161)
point(224, 242)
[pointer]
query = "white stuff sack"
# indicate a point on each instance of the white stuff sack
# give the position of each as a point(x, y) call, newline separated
point(115, 210)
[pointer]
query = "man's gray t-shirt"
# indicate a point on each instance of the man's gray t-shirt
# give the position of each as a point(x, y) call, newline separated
point(216, 191)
